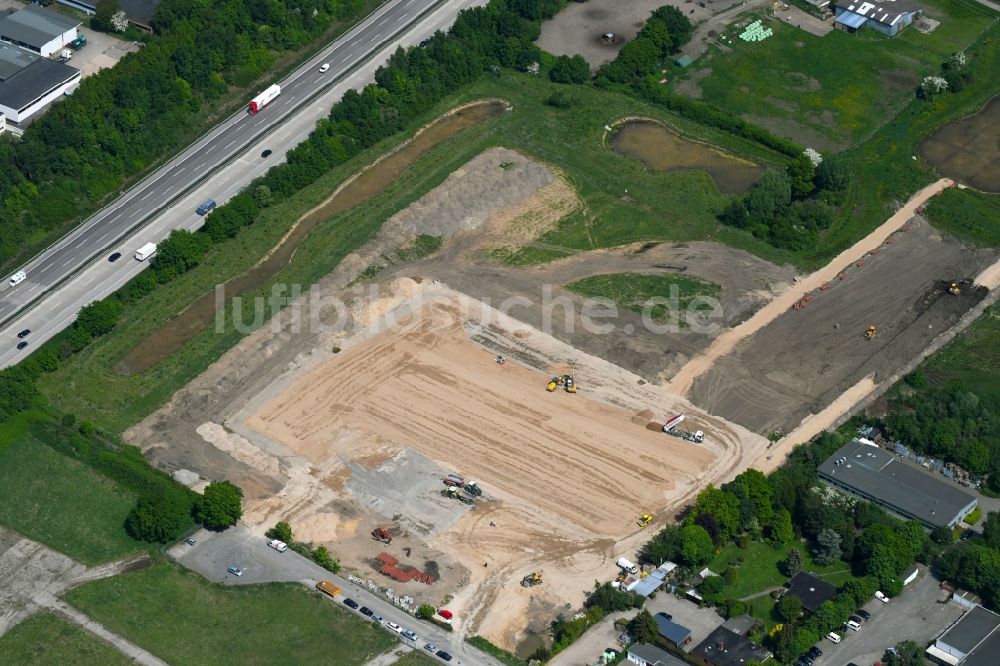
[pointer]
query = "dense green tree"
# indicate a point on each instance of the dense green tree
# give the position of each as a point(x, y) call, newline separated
point(425, 611)
point(991, 529)
point(281, 531)
point(832, 174)
point(643, 627)
point(801, 173)
point(180, 252)
point(780, 528)
point(788, 608)
point(158, 519)
point(754, 494)
point(792, 564)
point(570, 70)
point(664, 547)
point(220, 506)
point(906, 653)
point(827, 547)
point(99, 317)
point(323, 558)
point(696, 545)
point(609, 598)
point(723, 506)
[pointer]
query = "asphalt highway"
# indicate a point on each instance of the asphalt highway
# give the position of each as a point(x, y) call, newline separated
point(75, 270)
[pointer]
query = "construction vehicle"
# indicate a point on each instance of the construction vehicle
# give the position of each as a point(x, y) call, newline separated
point(870, 333)
point(473, 489)
point(953, 288)
point(569, 384)
point(454, 480)
point(328, 587)
point(646, 519)
point(382, 534)
point(532, 579)
point(670, 427)
point(566, 381)
point(553, 384)
point(452, 491)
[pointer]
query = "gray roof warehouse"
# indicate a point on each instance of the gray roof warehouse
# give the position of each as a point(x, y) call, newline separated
point(902, 487)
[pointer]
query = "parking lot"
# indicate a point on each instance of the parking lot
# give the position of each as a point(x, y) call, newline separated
point(914, 615)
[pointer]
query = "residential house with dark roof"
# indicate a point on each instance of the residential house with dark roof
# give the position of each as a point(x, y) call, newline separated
point(724, 647)
point(645, 654)
point(676, 634)
point(810, 590)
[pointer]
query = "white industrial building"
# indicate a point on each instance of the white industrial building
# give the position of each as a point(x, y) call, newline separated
point(29, 82)
point(38, 30)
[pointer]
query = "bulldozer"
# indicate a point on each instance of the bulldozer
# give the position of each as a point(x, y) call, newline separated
point(870, 333)
point(954, 289)
point(382, 534)
point(646, 519)
point(553, 384)
point(532, 580)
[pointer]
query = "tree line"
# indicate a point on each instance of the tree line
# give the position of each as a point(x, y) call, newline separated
point(122, 119)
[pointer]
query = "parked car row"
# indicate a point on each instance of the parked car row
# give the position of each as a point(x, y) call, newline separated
point(853, 623)
point(395, 628)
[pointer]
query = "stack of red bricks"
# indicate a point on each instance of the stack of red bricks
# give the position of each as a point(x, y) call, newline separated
point(390, 569)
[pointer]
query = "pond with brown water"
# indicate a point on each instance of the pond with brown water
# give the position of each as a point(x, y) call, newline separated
point(663, 150)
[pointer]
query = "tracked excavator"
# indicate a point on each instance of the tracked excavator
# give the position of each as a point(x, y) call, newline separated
point(382, 534)
point(870, 333)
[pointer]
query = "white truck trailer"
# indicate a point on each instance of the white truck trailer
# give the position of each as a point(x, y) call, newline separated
point(671, 428)
point(145, 252)
point(263, 99)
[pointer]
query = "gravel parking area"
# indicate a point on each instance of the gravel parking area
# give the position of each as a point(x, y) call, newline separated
point(914, 615)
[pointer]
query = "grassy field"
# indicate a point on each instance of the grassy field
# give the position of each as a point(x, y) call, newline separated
point(183, 619)
point(760, 571)
point(972, 359)
point(634, 291)
point(58, 501)
point(831, 92)
point(416, 658)
point(48, 640)
point(968, 215)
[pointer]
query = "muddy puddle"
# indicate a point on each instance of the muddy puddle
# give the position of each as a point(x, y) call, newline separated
point(968, 150)
point(662, 150)
point(176, 332)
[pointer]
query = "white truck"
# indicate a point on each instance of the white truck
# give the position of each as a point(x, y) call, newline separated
point(145, 252)
point(627, 565)
point(279, 546)
point(263, 99)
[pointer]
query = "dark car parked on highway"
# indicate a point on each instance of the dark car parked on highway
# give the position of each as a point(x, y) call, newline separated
point(350, 603)
point(367, 612)
point(443, 656)
point(266, 153)
point(115, 256)
point(863, 613)
point(22, 345)
point(25, 333)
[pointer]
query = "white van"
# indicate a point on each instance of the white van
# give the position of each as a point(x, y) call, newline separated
point(17, 278)
point(853, 625)
point(833, 637)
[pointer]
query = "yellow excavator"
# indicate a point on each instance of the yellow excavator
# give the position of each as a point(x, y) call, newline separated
point(870, 333)
point(646, 519)
point(954, 289)
point(553, 384)
point(532, 580)
point(566, 381)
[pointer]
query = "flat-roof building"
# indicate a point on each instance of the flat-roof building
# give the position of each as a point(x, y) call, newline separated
point(38, 30)
point(29, 82)
point(900, 486)
point(810, 590)
point(645, 654)
point(972, 641)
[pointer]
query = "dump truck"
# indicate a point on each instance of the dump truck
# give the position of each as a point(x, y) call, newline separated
point(145, 252)
point(671, 428)
point(627, 565)
point(278, 545)
point(263, 99)
point(328, 588)
point(454, 480)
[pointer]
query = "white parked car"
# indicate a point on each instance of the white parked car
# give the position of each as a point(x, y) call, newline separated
point(279, 546)
point(881, 597)
point(833, 637)
point(324, 67)
point(392, 626)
